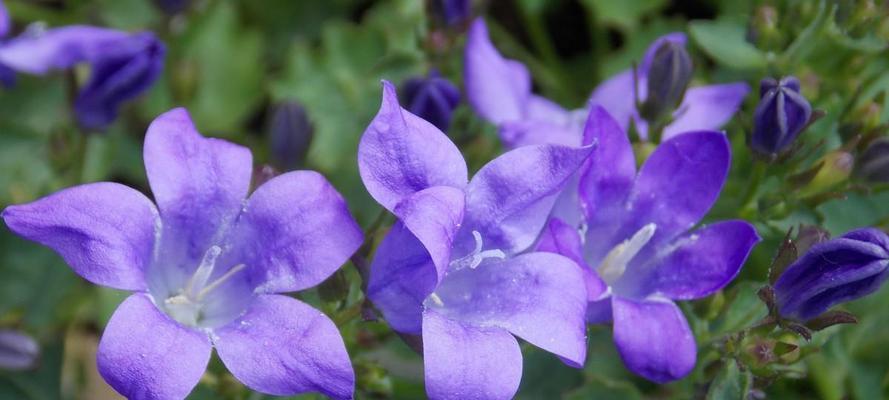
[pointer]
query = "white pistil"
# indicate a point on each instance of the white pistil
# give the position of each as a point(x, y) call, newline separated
point(209, 288)
point(475, 258)
point(435, 299)
point(615, 262)
point(205, 269)
point(186, 305)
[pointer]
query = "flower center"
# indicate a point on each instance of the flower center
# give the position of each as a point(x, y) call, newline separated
point(187, 305)
point(475, 258)
point(615, 262)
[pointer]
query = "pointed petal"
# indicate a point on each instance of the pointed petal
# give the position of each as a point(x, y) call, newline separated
point(497, 88)
point(707, 107)
point(611, 170)
point(653, 338)
point(298, 231)
point(561, 238)
point(702, 262)
point(144, 354)
point(282, 346)
point(199, 184)
point(104, 231)
point(540, 297)
point(401, 154)
point(509, 199)
point(61, 48)
point(434, 216)
point(545, 122)
point(402, 275)
point(464, 362)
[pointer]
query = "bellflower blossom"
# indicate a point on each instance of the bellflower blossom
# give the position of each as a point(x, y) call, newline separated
point(637, 247)
point(123, 65)
point(836, 271)
point(452, 268)
point(499, 89)
point(207, 265)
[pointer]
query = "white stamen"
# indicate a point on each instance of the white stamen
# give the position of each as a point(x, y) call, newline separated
point(475, 258)
point(209, 288)
point(615, 262)
point(186, 306)
point(437, 300)
point(199, 279)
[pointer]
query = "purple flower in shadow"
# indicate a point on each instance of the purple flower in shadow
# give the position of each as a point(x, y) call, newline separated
point(207, 264)
point(453, 268)
point(637, 245)
point(499, 89)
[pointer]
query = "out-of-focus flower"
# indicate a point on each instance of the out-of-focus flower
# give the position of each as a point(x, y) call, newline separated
point(452, 12)
point(873, 164)
point(453, 267)
point(123, 65)
point(206, 266)
point(668, 77)
point(290, 134)
point(172, 6)
point(635, 246)
point(17, 350)
point(499, 90)
point(779, 118)
point(7, 76)
point(432, 98)
point(836, 271)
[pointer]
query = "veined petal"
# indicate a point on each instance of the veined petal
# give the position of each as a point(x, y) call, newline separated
point(607, 178)
point(199, 184)
point(144, 354)
point(653, 338)
point(509, 199)
point(284, 347)
point(707, 107)
point(401, 154)
point(465, 362)
point(561, 238)
point(298, 232)
point(402, 275)
point(60, 48)
point(105, 231)
point(434, 216)
point(540, 297)
point(497, 88)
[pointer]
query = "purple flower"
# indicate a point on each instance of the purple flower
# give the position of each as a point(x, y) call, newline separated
point(123, 65)
point(290, 134)
point(452, 11)
point(432, 98)
point(836, 271)
point(206, 265)
point(637, 245)
point(781, 115)
point(17, 350)
point(499, 89)
point(452, 268)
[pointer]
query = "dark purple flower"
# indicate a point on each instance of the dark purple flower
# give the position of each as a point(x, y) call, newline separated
point(290, 133)
point(453, 267)
point(836, 271)
point(499, 89)
point(668, 77)
point(637, 245)
point(17, 350)
point(779, 118)
point(207, 264)
point(432, 98)
point(452, 11)
point(873, 164)
point(123, 65)
point(172, 6)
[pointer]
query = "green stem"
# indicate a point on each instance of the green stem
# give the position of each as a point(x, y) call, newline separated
point(748, 200)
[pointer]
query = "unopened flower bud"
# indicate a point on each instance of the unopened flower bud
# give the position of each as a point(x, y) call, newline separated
point(452, 12)
point(290, 134)
point(432, 98)
point(17, 350)
point(668, 77)
point(781, 115)
point(836, 167)
point(873, 164)
point(172, 6)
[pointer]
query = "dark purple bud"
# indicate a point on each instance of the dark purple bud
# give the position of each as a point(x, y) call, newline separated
point(781, 115)
point(17, 350)
point(836, 271)
point(172, 6)
point(873, 164)
point(668, 77)
point(432, 98)
point(126, 69)
point(290, 134)
point(452, 12)
point(7, 76)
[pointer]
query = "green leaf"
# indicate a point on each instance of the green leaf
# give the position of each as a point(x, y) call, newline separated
point(625, 14)
point(744, 309)
point(731, 383)
point(725, 41)
point(855, 211)
point(599, 388)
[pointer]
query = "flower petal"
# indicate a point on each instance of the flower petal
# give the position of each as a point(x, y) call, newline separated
point(616, 96)
point(299, 232)
point(464, 362)
point(401, 154)
point(607, 178)
point(61, 48)
point(653, 338)
point(540, 297)
point(561, 238)
point(282, 346)
point(402, 275)
point(497, 88)
point(199, 184)
point(509, 199)
point(701, 262)
point(104, 231)
point(434, 216)
point(707, 107)
point(144, 354)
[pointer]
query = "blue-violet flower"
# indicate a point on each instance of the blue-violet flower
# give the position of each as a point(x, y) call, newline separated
point(779, 118)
